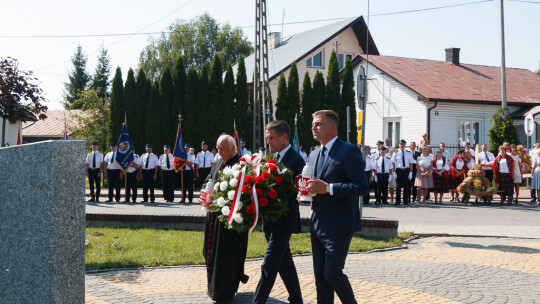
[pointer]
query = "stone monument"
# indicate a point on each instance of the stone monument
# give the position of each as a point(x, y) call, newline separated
point(42, 221)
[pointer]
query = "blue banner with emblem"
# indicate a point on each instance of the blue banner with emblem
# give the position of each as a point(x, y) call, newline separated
point(179, 153)
point(296, 143)
point(124, 153)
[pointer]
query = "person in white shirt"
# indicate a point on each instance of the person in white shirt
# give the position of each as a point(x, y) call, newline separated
point(188, 175)
point(403, 160)
point(166, 163)
point(533, 153)
point(468, 148)
point(383, 169)
point(131, 175)
point(149, 168)
point(112, 174)
point(440, 175)
point(503, 171)
point(368, 158)
point(376, 152)
point(445, 153)
point(94, 162)
point(244, 150)
point(388, 143)
point(486, 158)
point(203, 163)
point(303, 154)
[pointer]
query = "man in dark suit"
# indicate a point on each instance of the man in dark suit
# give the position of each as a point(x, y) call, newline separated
point(339, 180)
point(278, 256)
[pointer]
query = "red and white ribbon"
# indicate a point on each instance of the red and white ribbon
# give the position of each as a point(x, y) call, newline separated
point(255, 200)
point(237, 195)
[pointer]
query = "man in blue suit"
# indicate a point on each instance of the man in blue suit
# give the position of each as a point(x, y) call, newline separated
point(339, 180)
point(278, 258)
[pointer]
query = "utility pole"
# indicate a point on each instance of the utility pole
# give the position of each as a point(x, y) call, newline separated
point(261, 89)
point(503, 60)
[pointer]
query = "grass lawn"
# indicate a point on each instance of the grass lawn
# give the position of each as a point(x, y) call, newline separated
point(125, 248)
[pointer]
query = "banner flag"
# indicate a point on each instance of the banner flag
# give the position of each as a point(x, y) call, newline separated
point(296, 143)
point(124, 153)
point(179, 153)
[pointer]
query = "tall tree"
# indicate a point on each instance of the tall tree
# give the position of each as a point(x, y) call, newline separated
point(308, 107)
point(502, 130)
point(130, 93)
point(205, 121)
point(282, 102)
point(197, 41)
point(190, 125)
point(319, 92)
point(332, 101)
point(117, 107)
point(100, 79)
point(90, 124)
point(153, 132)
point(78, 78)
point(166, 94)
point(179, 80)
point(142, 93)
point(242, 114)
point(215, 102)
point(348, 100)
point(293, 95)
point(228, 101)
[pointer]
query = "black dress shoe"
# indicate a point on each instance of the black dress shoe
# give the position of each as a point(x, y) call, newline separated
point(108, 201)
point(97, 200)
point(91, 200)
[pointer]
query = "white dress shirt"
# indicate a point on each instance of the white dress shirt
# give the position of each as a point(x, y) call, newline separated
point(205, 159)
point(486, 157)
point(370, 163)
point(150, 159)
point(282, 153)
point(388, 165)
point(136, 161)
point(245, 151)
point(399, 155)
point(163, 162)
point(447, 155)
point(191, 158)
point(503, 166)
point(441, 165)
point(328, 146)
point(90, 159)
point(110, 157)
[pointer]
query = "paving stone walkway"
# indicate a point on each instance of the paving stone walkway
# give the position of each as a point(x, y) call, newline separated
point(429, 270)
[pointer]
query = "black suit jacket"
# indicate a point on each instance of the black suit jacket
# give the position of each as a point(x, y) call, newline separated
point(290, 222)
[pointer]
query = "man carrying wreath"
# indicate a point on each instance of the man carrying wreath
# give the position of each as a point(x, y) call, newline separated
point(278, 258)
point(224, 249)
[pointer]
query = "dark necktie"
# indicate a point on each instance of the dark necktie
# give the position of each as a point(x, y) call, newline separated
point(168, 163)
point(94, 162)
point(277, 156)
point(204, 159)
point(383, 165)
point(487, 157)
point(403, 158)
point(147, 158)
point(112, 158)
point(320, 161)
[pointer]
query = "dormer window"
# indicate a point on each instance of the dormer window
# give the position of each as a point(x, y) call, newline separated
point(316, 61)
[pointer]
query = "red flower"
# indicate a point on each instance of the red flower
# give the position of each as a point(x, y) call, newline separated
point(259, 180)
point(265, 174)
point(272, 167)
point(263, 202)
point(278, 180)
point(248, 179)
point(259, 192)
point(272, 194)
point(271, 161)
point(250, 209)
point(246, 189)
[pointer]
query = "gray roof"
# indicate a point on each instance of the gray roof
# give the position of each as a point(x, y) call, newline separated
point(299, 45)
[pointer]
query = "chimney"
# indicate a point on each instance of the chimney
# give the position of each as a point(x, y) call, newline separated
point(273, 39)
point(452, 55)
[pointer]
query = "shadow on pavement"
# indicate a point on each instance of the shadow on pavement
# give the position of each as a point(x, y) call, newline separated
point(503, 248)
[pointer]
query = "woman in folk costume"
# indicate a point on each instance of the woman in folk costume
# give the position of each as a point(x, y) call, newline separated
point(459, 172)
point(424, 174)
point(516, 157)
point(440, 175)
point(504, 175)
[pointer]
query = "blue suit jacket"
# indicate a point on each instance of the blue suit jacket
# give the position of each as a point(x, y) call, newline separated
point(344, 168)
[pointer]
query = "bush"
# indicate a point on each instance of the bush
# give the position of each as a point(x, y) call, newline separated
point(503, 129)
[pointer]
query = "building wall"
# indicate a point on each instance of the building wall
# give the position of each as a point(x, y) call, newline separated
point(348, 44)
point(11, 132)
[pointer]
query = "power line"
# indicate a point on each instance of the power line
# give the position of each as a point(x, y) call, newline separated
point(525, 1)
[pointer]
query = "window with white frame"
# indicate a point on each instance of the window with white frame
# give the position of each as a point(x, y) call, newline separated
point(342, 58)
point(469, 131)
point(316, 61)
point(392, 130)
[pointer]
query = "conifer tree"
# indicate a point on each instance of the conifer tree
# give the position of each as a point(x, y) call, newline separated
point(243, 116)
point(117, 107)
point(142, 92)
point(228, 101)
point(319, 92)
point(333, 101)
point(308, 107)
point(179, 80)
point(153, 120)
point(503, 129)
point(130, 92)
point(282, 102)
point(78, 79)
point(100, 79)
point(216, 106)
point(348, 100)
point(205, 121)
point(293, 96)
point(166, 94)
point(190, 125)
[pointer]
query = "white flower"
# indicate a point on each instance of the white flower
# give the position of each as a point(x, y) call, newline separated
point(233, 182)
point(240, 205)
point(235, 173)
point(226, 210)
point(221, 202)
point(238, 218)
point(227, 170)
point(216, 186)
point(223, 185)
point(230, 195)
point(236, 167)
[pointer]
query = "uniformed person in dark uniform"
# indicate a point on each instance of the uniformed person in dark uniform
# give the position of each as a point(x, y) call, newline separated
point(94, 162)
point(204, 163)
point(132, 172)
point(149, 164)
point(166, 162)
point(113, 174)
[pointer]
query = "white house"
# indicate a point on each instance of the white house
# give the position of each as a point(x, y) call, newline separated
point(450, 101)
point(9, 135)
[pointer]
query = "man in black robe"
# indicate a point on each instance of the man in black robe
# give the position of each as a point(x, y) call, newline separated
point(224, 250)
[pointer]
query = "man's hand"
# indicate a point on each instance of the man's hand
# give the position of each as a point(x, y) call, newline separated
point(375, 178)
point(155, 176)
point(317, 186)
point(205, 204)
point(410, 175)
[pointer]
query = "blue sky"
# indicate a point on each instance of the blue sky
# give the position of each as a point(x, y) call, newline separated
point(474, 28)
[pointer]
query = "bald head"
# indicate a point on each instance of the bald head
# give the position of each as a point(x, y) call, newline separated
point(226, 146)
